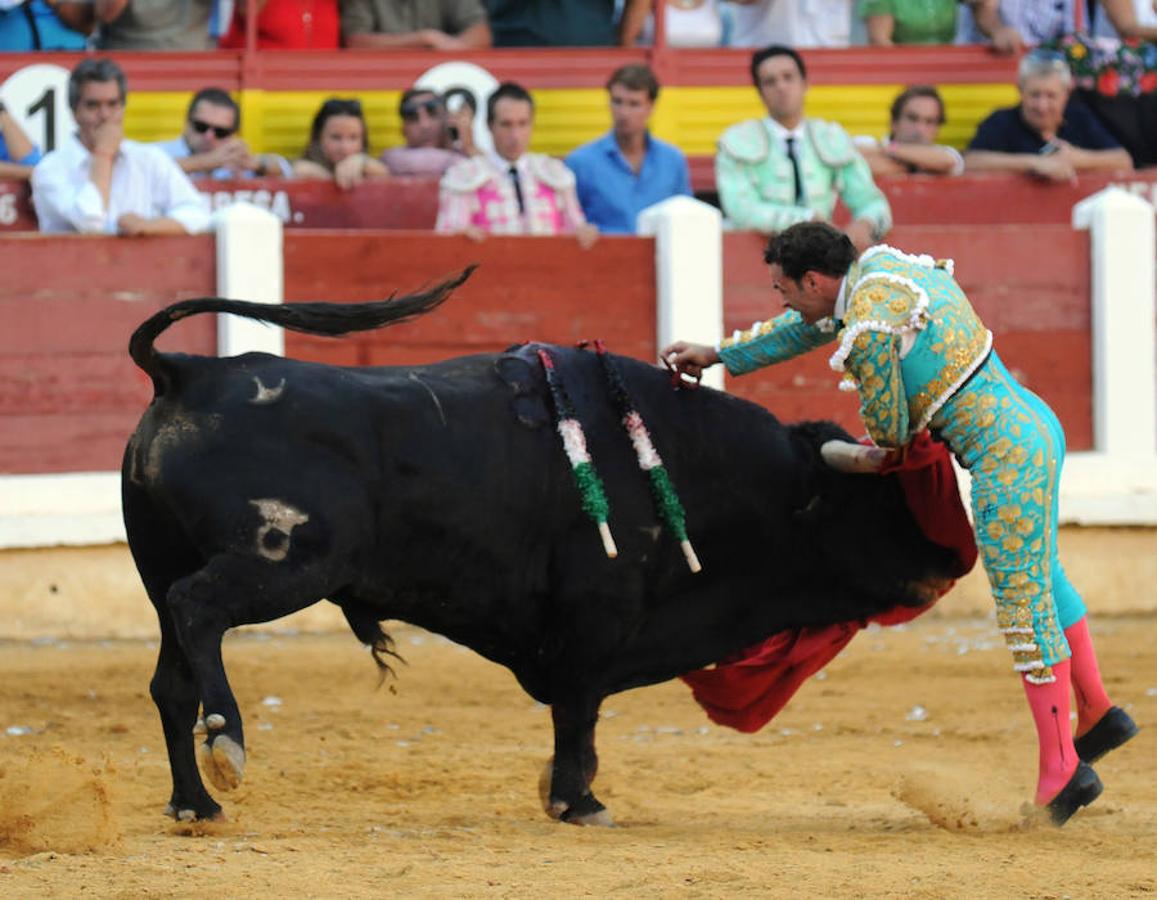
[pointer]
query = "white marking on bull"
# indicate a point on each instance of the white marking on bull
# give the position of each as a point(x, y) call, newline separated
point(267, 395)
point(272, 539)
point(430, 390)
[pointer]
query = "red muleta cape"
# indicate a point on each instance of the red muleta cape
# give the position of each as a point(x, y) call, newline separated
point(747, 690)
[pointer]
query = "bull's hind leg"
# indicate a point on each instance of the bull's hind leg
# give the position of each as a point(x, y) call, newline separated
point(174, 691)
point(230, 591)
point(575, 763)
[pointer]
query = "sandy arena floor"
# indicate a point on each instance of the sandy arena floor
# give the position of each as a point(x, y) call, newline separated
point(900, 771)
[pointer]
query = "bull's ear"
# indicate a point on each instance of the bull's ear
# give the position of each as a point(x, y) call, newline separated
point(856, 459)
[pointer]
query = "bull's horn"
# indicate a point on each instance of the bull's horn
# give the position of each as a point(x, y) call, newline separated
point(859, 459)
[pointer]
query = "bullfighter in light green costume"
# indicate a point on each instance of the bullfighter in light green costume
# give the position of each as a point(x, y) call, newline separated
point(909, 342)
point(761, 188)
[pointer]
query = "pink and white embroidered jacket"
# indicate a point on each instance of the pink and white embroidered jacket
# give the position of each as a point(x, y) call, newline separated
point(480, 192)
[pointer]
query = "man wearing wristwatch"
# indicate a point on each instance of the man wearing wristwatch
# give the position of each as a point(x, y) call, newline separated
point(910, 147)
point(209, 145)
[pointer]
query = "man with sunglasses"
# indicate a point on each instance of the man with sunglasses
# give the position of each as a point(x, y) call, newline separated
point(98, 181)
point(427, 151)
point(209, 145)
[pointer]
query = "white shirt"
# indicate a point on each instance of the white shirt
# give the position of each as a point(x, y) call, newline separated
point(796, 23)
point(144, 181)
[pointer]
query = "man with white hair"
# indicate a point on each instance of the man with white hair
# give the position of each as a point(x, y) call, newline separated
point(1045, 135)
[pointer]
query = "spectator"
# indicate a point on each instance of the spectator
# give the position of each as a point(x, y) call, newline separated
point(891, 22)
point(287, 25)
point(627, 170)
point(153, 24)
point(1047, 134)
point(511, 191)
point(339, 147)
point(557, 23)
point(817, 23)
point(917, 115)
point(1124, 19)
point(776, 171)
point(99, 181)
point(209, 146)
point(1012, 25)
point(45, 24)
point(461, 108)
point(427, 149)
point(432, 24)
point(17, 153)
point(686, 23)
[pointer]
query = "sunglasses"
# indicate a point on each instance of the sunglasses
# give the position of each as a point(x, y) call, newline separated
point(411, 108)
point(201, 127)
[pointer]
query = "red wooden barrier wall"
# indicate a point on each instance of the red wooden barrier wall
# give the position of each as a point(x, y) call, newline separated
point(69, 396)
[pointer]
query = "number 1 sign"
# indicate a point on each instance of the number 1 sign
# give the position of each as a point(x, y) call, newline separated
point(37, 97)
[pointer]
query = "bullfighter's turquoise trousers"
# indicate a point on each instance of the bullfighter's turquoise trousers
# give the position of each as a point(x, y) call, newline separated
point(1013, 447)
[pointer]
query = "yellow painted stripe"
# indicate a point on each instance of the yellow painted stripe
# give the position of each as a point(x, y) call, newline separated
point(692, 118)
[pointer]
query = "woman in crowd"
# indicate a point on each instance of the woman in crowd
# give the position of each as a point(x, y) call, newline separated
point(339, 146)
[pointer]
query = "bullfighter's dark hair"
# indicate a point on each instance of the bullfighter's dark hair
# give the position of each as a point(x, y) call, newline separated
point(635, 77)
point(508, 90)
point(215, 96)
point(761, 56)
point(911, 93)
point(811, 247)
point(100, 70)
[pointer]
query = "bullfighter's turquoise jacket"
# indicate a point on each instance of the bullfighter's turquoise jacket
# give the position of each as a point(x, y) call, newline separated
point(907, 339)
point(757, 187)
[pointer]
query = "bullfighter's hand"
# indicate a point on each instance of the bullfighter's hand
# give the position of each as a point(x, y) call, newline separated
point(689, 359)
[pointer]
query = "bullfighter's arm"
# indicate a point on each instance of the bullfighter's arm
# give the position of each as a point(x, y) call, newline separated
point(775, 340)
point(874, 362)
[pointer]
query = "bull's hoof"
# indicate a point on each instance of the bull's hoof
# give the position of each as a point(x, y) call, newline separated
point(222, 762)
point(602, 819)
point(587, 811)
point(181, 813)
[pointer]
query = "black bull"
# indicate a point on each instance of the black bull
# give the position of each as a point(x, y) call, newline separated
point(440, 495)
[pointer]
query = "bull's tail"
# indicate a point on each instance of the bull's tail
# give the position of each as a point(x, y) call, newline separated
point(312, 318)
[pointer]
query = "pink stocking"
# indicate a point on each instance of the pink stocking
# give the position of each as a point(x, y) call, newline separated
point(1050, 712)
point(1092, 701)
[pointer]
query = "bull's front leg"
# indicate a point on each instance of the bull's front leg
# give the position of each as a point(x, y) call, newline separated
point(568, 796)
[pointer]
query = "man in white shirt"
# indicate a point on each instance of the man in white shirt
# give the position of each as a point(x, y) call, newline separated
point(100, 182)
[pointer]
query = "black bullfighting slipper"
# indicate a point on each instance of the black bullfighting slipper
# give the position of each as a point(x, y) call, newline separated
point(1114, 729)
point(1083, 788)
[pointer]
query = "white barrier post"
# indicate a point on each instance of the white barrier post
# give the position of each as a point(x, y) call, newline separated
point(1124, 371)
point(689, 273)
point(249, 267)
point(1117, 483)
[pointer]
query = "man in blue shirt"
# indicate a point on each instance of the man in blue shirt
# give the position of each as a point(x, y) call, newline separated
point(1046, 135)
point(17, 153)
point(627, 170)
